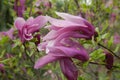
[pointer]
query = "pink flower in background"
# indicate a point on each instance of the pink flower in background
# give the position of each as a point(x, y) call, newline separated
point(8, 55)
point(116, 38)
point(8, 33)
point(19, 7)
point(27, 28)
point(2, 70)
point(61, 43)
point(46, 3)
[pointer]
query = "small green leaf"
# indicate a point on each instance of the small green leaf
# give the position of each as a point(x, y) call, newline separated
point(97, 54)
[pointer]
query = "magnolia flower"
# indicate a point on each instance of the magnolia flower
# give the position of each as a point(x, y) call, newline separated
point(76, 25)
point(63, 52)
point(27, 28)
point(19, 7)
point(61, 43)
point(109, 59)
point(8, 33)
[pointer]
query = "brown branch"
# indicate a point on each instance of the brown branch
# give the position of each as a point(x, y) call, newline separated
point(77, 4)
point(109, 50)
point(102, 64)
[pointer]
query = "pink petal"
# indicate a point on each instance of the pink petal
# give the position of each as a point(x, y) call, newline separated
point(63, 23)
point(76, 19)
point(42, 46)
point(40, 20)
point(19, 23)
point(70, 34)
point(50, 35)
point(10, 33)
point(69, 69)
point(72, 18)
point(29, 21)
point(44, 60)
point(71, 52)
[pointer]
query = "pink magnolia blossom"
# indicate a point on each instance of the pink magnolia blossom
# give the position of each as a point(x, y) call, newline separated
point(27, 28)
point(61, 43)
point(19, 7)
point(8, 33)
point(109, 59)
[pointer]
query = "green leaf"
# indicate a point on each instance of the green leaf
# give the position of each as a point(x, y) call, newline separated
point(81, 78)
point(110, 42)
point(97, 54)
point(106, 35)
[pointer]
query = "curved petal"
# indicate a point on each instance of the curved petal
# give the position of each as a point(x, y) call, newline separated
point(76, 19)
point(70, 52)
point(33, 28)
point(44, 60)
point(70, 34)
point(10, 33)
point(69, 69)
point(69, 17)
point(29, 21)
point(40, 20)
point(42, 46)
point(60, 35)
point(50, 35)
point(64, 23)
point(19, 23)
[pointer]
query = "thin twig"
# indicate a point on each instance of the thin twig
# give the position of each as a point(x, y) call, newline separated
point(109, 50)
point(77, 4)
point(102, 64)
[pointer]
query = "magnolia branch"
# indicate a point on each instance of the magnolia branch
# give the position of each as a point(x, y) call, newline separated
point(102, 64)
point(109, 50)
